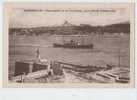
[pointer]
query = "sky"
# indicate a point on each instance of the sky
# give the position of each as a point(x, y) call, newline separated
point(27, 18)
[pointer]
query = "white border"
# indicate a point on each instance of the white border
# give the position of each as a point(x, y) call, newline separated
point(9, 6)
point(65, 94)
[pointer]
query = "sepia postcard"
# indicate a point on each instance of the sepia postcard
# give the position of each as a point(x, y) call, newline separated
point(82, 45)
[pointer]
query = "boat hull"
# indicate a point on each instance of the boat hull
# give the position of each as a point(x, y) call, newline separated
point(73, 46)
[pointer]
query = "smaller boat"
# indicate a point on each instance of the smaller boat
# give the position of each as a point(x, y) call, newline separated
point(122, 80)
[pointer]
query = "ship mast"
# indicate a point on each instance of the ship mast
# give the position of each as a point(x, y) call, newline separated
point(119, 57)
point(63, 39)
point(83, 40)
point(119, 54)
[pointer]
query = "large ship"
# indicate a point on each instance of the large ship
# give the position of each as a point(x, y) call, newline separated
point(73, 41)
point(72, 45)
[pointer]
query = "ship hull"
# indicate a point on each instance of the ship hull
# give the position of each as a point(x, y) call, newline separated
point(73, 46)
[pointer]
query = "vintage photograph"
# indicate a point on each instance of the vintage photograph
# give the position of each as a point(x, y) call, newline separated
point(69, 44)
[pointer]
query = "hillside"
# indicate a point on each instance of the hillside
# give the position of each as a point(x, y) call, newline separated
point(68, 28)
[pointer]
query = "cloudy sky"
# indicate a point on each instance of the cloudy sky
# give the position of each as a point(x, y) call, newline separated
point(21, 18)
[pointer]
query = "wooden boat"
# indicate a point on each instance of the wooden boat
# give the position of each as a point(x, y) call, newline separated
point(122, 79)
point(81, 68)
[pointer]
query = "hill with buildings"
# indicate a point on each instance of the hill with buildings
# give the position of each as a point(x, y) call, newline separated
point(67, 28)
